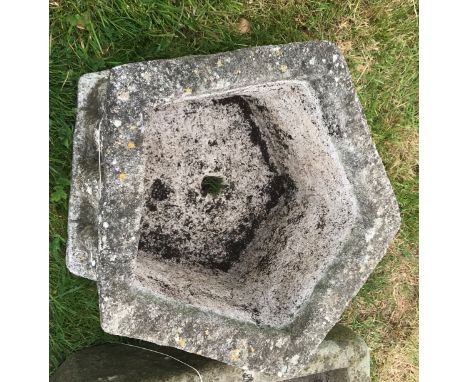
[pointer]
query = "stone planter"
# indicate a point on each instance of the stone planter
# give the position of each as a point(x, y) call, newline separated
point(229, 205)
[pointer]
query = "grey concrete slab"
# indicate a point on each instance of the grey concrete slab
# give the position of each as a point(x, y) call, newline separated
point(341, 357)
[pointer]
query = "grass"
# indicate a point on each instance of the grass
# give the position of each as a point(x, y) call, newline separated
point(379, 39)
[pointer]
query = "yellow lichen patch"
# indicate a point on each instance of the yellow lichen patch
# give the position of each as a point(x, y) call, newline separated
point(123, 96)
point(283, 68)
point(235, 355)
point(188, 90)
point(182, 342)
point(277, 52)
point(219, 63)
point(122, 176)
point(131, 145)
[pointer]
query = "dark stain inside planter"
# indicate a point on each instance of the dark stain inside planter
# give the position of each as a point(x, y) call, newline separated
point(227, 241)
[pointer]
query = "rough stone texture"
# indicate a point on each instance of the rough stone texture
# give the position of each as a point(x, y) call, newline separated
point(82, 245)
point(256, 275)
point(341, 357)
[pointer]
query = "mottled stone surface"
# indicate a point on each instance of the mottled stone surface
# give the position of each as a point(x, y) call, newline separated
point(341, 357)
point(256, 273)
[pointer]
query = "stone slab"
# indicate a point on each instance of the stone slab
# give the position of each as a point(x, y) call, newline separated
point(341, 357)
point(256, 273)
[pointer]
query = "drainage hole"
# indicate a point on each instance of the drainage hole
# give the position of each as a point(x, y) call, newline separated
point(212, 185)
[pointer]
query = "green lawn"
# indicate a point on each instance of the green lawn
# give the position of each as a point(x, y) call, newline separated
point(379, 39)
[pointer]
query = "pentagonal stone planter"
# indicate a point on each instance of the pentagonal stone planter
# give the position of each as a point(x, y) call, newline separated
point(229, 205)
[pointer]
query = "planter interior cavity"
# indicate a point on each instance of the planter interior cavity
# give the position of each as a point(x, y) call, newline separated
point(255, 250)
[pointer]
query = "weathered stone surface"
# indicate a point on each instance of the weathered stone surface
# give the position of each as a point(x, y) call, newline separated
point(341, 357)
point(229, 205)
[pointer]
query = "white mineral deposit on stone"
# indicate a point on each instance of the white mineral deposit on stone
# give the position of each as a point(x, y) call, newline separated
point(294, 359)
